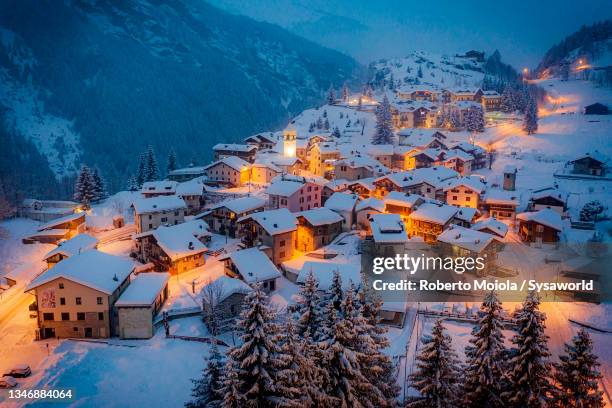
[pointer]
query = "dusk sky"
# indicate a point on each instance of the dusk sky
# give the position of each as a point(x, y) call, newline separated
point(368, 30)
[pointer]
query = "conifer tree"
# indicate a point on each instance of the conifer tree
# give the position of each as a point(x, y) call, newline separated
point(455, 120)
point(84, 191)
point(484, 375)
point(253, 366)
point(206, 391)
point(132, 184)
point(420, 72)
point(384, 123)
point(151, 169)
point(141, 175)
point(326, 124)
point(475, 119)
point(529, 369)
point(437, 374)
point(345, 92)
point(577, 375)
point(331, 95)
point(507, 100)
point(335, 293)
point(98, 185)
point(336, 132)
point(530, 124)
point(171, 162)
point(309, 308)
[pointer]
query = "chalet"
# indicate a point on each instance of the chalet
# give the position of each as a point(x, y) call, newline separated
point(415, 114)
point(231, 171)
point(158, 188)
point(366, 208)
point(364, 188)
point(274, 229)
point(263, 172)
point(540, 226)
point(459, 161)
point(427, 182)
point(421, 158)
point(464, 192)
point(501, 204)
point(592, 164)
point(263, 141)
point(358, 167)
point(222, 217)
point(295, 194)
point(331, 187)
point(478, 153)
point(466, 216)
point(245, 152)
point(596, 109)
point(192, 192)
point(288, 165)
point(468, 243)
point(419, 93)
point(491, 226)
point(475, 55)
point(343, 204)
point(317, 228)
point(66, 249)
point(228, 295)
point(139, 303)
point(323, 155)
point(387, 234)
point(58, 229)
point(430, 220)
point(465, 94)
point(76, 298)
point(381, 153)
point(548, 198)
point(186, 173)
point(402, 204)
point(176, 249)
point(251, 266)
point(423, 138)
point(301, 149)
point(491, 101)
point(150, 213)
point(46, 210)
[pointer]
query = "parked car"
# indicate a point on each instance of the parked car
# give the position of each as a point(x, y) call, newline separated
point(7, 382)
point(20, 371)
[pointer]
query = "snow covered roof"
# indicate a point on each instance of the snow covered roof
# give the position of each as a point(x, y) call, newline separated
point(73, 246)
point(274, 221)
point(434, 176)
point(189, 188)
point(469, 148)
point(463, 91)
point(501, 197)
point(357, 161)
point(229, 286)
point(159, 187)
point(388, 228)
point(458, 154)
point(94, 269)
point(243, 204)
point(234, 147)
point(466, 214)
point(254, 265)
point(234, 162)
point(367, 183)
point(62, 220)
point(490, 94)
point(320, 216)
point(436, 213)
point(144, 289)
point(261, 137)
point(181, 240)
point(400, 199)
point(545, 216)
point(493, 225)
point(327, 147)
point(193, 170)
point(473, 183)
point(466, 238)
point(324, 273)
point(284, 188)
point(157, 204)
point(548, 192)
point(372, 203)
point(341, 201)
point(595, 155)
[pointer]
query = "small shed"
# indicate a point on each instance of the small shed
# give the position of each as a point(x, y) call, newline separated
point(596, 109)
point(139, 303)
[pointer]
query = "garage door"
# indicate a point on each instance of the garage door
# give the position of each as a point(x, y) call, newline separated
point(135, 333)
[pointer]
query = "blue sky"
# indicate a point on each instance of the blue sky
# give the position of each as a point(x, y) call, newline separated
point(370, 29)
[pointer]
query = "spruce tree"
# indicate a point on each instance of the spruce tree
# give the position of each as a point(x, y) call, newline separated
point(335, 293)
point(484, 375)
point(132, 184)
point(254, 365)
point(309, 308)
point(206, 391)
point(336, 132)
point(151, 169)
point(530, 124)
point(326, 124)
point(98, 185)
point(455, 120)
point(345, 93)
point(84, 192)
point(529, 369)
point(171, 162)
point(507, 100)
point(141, 175)
point(331, 95)
point(384, 123)
point(474, 121)
point(577, 375)
point(437, 375)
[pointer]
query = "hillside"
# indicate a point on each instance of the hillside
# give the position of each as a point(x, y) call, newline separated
point(96, 82)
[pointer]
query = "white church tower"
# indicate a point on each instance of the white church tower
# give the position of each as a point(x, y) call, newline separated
point(289, 142)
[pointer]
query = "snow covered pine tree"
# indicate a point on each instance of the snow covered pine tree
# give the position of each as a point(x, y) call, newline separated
point(206, 392)
point(384, 123)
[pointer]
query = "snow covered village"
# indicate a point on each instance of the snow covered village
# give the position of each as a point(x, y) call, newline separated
point(244, 279)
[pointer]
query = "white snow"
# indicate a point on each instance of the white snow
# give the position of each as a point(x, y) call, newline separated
point(253, 265)
point(158, 204)
point(320, 216)
point(274, 221)
point(144, 289)
point(73, 246)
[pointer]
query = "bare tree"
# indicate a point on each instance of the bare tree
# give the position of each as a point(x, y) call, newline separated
point(211, 297)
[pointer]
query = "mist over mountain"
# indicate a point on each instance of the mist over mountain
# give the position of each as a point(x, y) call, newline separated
point(97, 81)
